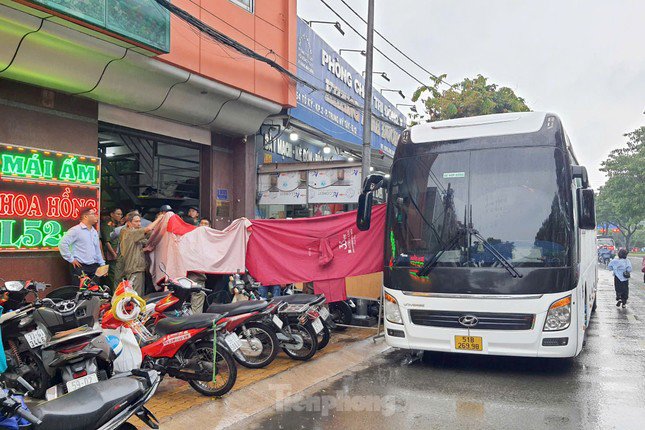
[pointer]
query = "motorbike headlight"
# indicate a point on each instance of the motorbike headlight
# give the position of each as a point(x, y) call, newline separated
point(559, 315)
point(391, 310)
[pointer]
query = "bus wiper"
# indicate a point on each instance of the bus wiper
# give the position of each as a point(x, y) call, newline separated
point(430, 264)
point(503, 260)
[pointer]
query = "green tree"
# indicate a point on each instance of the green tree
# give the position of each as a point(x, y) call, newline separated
point(470, 97)
point(621, 201)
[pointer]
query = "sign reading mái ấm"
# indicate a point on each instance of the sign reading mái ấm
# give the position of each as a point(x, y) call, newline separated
point(41, 194)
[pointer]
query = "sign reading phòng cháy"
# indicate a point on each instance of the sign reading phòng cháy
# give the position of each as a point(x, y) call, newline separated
point(41, 195)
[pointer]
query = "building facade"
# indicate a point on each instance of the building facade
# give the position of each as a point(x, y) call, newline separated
point(309, 158)
point(162, 113)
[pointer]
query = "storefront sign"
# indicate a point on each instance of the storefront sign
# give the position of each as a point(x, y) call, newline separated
point(41, 195)
point(319, 64)
point(286, 188)
point(314, 186)
point(334, 185)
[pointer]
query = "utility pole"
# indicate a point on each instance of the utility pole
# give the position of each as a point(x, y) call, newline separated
point(361, 317)
point(367, 108)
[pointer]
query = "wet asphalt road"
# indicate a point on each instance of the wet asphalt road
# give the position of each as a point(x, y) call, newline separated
point(603, 388)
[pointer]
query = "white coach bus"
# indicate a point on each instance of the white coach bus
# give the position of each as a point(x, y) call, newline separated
point(490, 238)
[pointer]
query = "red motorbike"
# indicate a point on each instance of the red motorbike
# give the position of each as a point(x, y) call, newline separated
point(253, 343)
point(183, 347)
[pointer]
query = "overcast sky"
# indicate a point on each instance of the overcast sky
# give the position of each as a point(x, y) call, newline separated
point(581, 59)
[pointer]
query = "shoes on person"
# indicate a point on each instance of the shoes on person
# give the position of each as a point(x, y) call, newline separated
point(624, 305)
point(618, 303)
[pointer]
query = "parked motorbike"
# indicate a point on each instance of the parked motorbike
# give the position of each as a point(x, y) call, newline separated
point(20, 337)
point(106, 405)
point(183, 347)
point(253, 343)
point(295, 318)
point(74, 349)
point(53, 345)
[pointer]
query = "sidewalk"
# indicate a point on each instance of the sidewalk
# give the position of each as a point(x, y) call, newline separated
point(177, 406)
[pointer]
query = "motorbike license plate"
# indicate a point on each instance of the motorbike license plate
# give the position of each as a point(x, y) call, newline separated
point(35, 338)
point(233, 342)
point(317, 325)
point(81, 382)
point(324, 312)
point(277, 321)
point(469, 343)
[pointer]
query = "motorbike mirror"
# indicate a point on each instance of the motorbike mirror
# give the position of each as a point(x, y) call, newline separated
point(17, 379)
point(185, 283)
point(102, 271)
point(14, 286)
point(162, 267)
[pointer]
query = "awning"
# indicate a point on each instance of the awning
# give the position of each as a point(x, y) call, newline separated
point(43, 52)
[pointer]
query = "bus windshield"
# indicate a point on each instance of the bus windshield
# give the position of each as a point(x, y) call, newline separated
point(516, 198)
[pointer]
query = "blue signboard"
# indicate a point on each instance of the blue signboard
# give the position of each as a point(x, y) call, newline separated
point(222, 194)
point(323, 67)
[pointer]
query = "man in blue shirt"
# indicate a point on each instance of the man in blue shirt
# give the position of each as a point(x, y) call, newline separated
point(81, 246)
point(621, 266)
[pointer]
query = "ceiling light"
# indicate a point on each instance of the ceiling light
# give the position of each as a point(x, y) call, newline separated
point(387, 176)
point(327, 149)
point(371, 169)
point(293, 137)
point(350, 159)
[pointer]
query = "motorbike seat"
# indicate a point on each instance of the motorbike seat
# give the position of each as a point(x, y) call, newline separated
point(90, 406)
point(174, 325)
point(156, 297)
point(238, 308)
point(299, 299)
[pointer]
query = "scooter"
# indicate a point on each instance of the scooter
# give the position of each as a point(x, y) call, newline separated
point(20, 337)
point(106, 405)
point(54, 345)
point(74, 349)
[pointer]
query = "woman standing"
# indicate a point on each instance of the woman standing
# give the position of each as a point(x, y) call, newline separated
point(622, 268)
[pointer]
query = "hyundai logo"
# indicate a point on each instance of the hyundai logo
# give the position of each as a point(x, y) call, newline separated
point(468, 320)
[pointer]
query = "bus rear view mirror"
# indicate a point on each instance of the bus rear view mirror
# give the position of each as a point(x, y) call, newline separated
point(373, 182)
point(586, 209)
point(581, 173)
point(364, 213)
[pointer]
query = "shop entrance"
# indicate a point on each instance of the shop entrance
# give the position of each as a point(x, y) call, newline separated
point(143, 171)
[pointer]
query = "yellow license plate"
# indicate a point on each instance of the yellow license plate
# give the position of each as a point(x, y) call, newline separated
point(469, 343)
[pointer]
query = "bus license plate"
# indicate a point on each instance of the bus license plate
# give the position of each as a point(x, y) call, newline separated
point(75, 384)
point(35, 338)
point(469, 343)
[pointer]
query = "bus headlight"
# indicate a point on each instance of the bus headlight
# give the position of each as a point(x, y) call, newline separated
point(559, 315)
point(391, 310)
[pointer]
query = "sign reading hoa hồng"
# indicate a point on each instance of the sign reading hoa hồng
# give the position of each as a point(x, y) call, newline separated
point(41, 195)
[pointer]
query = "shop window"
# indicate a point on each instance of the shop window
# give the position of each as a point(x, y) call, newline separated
point(244, 4)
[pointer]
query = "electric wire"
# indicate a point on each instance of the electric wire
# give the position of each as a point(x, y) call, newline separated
point(395, 47)
point(226, 40)
point(375, 48)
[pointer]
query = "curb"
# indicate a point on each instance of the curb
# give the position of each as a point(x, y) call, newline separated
point(265, 394)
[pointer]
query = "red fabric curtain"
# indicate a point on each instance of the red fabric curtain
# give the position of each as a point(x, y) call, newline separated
point(315, 249)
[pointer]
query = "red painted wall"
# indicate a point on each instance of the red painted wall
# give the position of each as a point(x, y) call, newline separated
point(272, 27)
